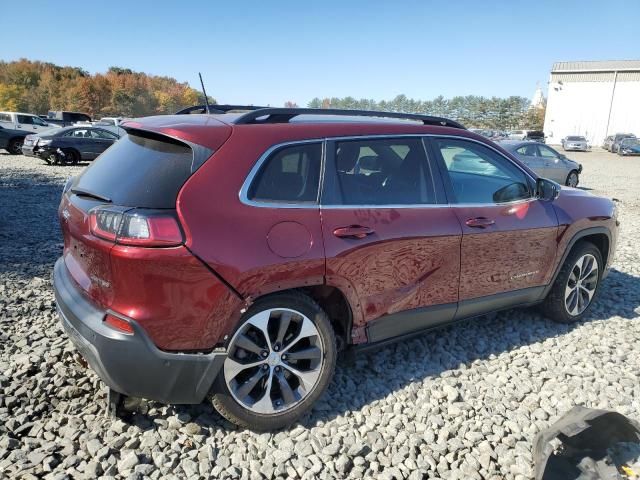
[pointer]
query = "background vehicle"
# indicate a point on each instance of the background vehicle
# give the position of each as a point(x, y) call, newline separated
point(617, 138)
point(517, 135)
point(545, 161)
point(607, 143)
point(11, 140)
point(67, 119)
point(24, 121)
point(575, 143)
point(534, 135)
point(69, 144)
point(629, 146)
point(109, 121)
point(221, 275)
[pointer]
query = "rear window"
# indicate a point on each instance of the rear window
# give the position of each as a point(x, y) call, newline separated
point(576, 139)
point(140, 171)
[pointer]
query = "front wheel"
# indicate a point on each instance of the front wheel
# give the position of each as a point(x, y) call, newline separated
point(572, 179)
point(280, 360)
point(71, 157)
point(15, 146)
point(576, 285)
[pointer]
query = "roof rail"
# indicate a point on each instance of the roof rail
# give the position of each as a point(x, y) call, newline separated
point(216, 109)
point(283, 115)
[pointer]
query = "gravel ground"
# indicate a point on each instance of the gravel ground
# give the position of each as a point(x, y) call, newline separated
point(462, 402)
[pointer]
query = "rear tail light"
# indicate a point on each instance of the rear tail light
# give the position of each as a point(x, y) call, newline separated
point(135, 227)
point(118, 323)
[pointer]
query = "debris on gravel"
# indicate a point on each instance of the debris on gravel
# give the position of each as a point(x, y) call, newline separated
point(463, 402)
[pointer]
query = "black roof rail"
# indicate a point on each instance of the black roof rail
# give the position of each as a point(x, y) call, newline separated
point(216, 109)
point(283, 115)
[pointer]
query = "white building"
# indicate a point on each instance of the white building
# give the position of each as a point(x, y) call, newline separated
point(594, 99)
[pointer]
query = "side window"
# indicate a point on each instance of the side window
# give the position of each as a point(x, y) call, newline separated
point(546, 152)
point(480, 175)
point(383, 172)
point(69, 133)
point(38, 121)
point(528, 150)
point(5, 117)
point(25, 119)
point(291, 175)
point(103, 134)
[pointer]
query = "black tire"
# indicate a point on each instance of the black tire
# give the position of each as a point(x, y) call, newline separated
point(554, 306)
point(71, 157)
point(567, 182)
point(225, 403)
point(51, 159)
point(15, 146)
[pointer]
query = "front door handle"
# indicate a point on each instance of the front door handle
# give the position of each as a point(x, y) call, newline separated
point(479, 222)
point(353, 231)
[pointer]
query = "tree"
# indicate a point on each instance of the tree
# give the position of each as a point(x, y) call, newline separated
point(290, 104)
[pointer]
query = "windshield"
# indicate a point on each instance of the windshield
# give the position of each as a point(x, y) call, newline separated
point(576, 139)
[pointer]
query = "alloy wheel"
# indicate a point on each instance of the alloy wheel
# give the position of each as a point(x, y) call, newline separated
point(274, 361)
point(15, 147)
point(572, 181)
point(581, 285)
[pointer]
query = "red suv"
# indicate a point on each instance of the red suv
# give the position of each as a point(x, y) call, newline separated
point(236, 254)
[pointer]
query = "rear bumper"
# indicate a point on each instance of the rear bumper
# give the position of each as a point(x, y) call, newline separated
point(131, 364)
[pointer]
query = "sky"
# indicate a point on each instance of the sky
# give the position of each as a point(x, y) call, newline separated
point(268, 52)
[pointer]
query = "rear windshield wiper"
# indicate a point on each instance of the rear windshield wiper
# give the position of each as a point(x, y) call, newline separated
point(86, 193)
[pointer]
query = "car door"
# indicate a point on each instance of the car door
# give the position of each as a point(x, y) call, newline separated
point(25, 122)
point(103, 139)
point(528, 154)
point(554, 167)
point(509, 236)
point(392, 243)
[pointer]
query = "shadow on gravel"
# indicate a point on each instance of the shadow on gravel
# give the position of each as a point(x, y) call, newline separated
point(375, 375)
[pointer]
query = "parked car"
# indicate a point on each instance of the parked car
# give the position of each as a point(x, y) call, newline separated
point(11, 140)
point(545, 161)
point(607, 143)
point(517, 135)
point(109, 121)
point(236, 254)
point(575, 143)
point(534, 135)
point(69, 144)
point(617, 138)
point(24, 121)
point(67, 119)
point(629, 146)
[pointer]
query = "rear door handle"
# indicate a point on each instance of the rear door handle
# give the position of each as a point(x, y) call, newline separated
point(353, 231)
point(479, 222)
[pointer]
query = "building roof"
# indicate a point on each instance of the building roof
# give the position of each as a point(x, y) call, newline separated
point(596, 66)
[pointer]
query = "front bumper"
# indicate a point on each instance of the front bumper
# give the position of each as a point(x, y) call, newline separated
point(29, 151)
point(576, 148)
point(131, 364)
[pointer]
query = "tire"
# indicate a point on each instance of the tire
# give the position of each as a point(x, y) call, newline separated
point(571, 178)
point(15, 146)
point(240, 392)
point(559, 305)
point(51, 159)
point(71, 157)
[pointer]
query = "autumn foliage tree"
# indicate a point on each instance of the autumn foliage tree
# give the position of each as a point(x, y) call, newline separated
point(38, 87)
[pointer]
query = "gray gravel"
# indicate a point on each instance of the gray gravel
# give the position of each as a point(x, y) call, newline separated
point(463, 402)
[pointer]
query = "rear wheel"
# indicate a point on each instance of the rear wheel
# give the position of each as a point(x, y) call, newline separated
point(280, 360)
point(572, 179)
point(15, 146)
point(576, 285)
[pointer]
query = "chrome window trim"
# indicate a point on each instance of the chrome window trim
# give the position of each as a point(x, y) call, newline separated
point(243, 194)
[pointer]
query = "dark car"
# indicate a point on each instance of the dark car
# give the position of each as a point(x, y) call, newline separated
point(69, 144)
point(235, 255)
point(535, 135)
point(617, 138)
point(629, 146)
point(11, 140)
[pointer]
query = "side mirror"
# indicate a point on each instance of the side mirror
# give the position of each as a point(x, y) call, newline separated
point(547, 190)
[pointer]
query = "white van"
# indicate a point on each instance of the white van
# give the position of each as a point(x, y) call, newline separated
point(24, 121)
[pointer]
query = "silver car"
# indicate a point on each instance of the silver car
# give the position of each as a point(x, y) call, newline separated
point(575, 143)
point(545, 161)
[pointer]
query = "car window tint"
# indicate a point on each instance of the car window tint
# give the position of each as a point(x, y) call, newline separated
point(38, 121)
point(546, 152)
point(480, 175)
point(104, 135)
point(25, 119)
point(290, 174)
point(5, 117)
point(383, 172)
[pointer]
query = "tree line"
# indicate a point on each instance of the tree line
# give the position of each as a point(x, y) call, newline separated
point(37, 87)
point(472, 111)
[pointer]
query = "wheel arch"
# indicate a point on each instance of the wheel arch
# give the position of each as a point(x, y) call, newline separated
point(599, 236)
